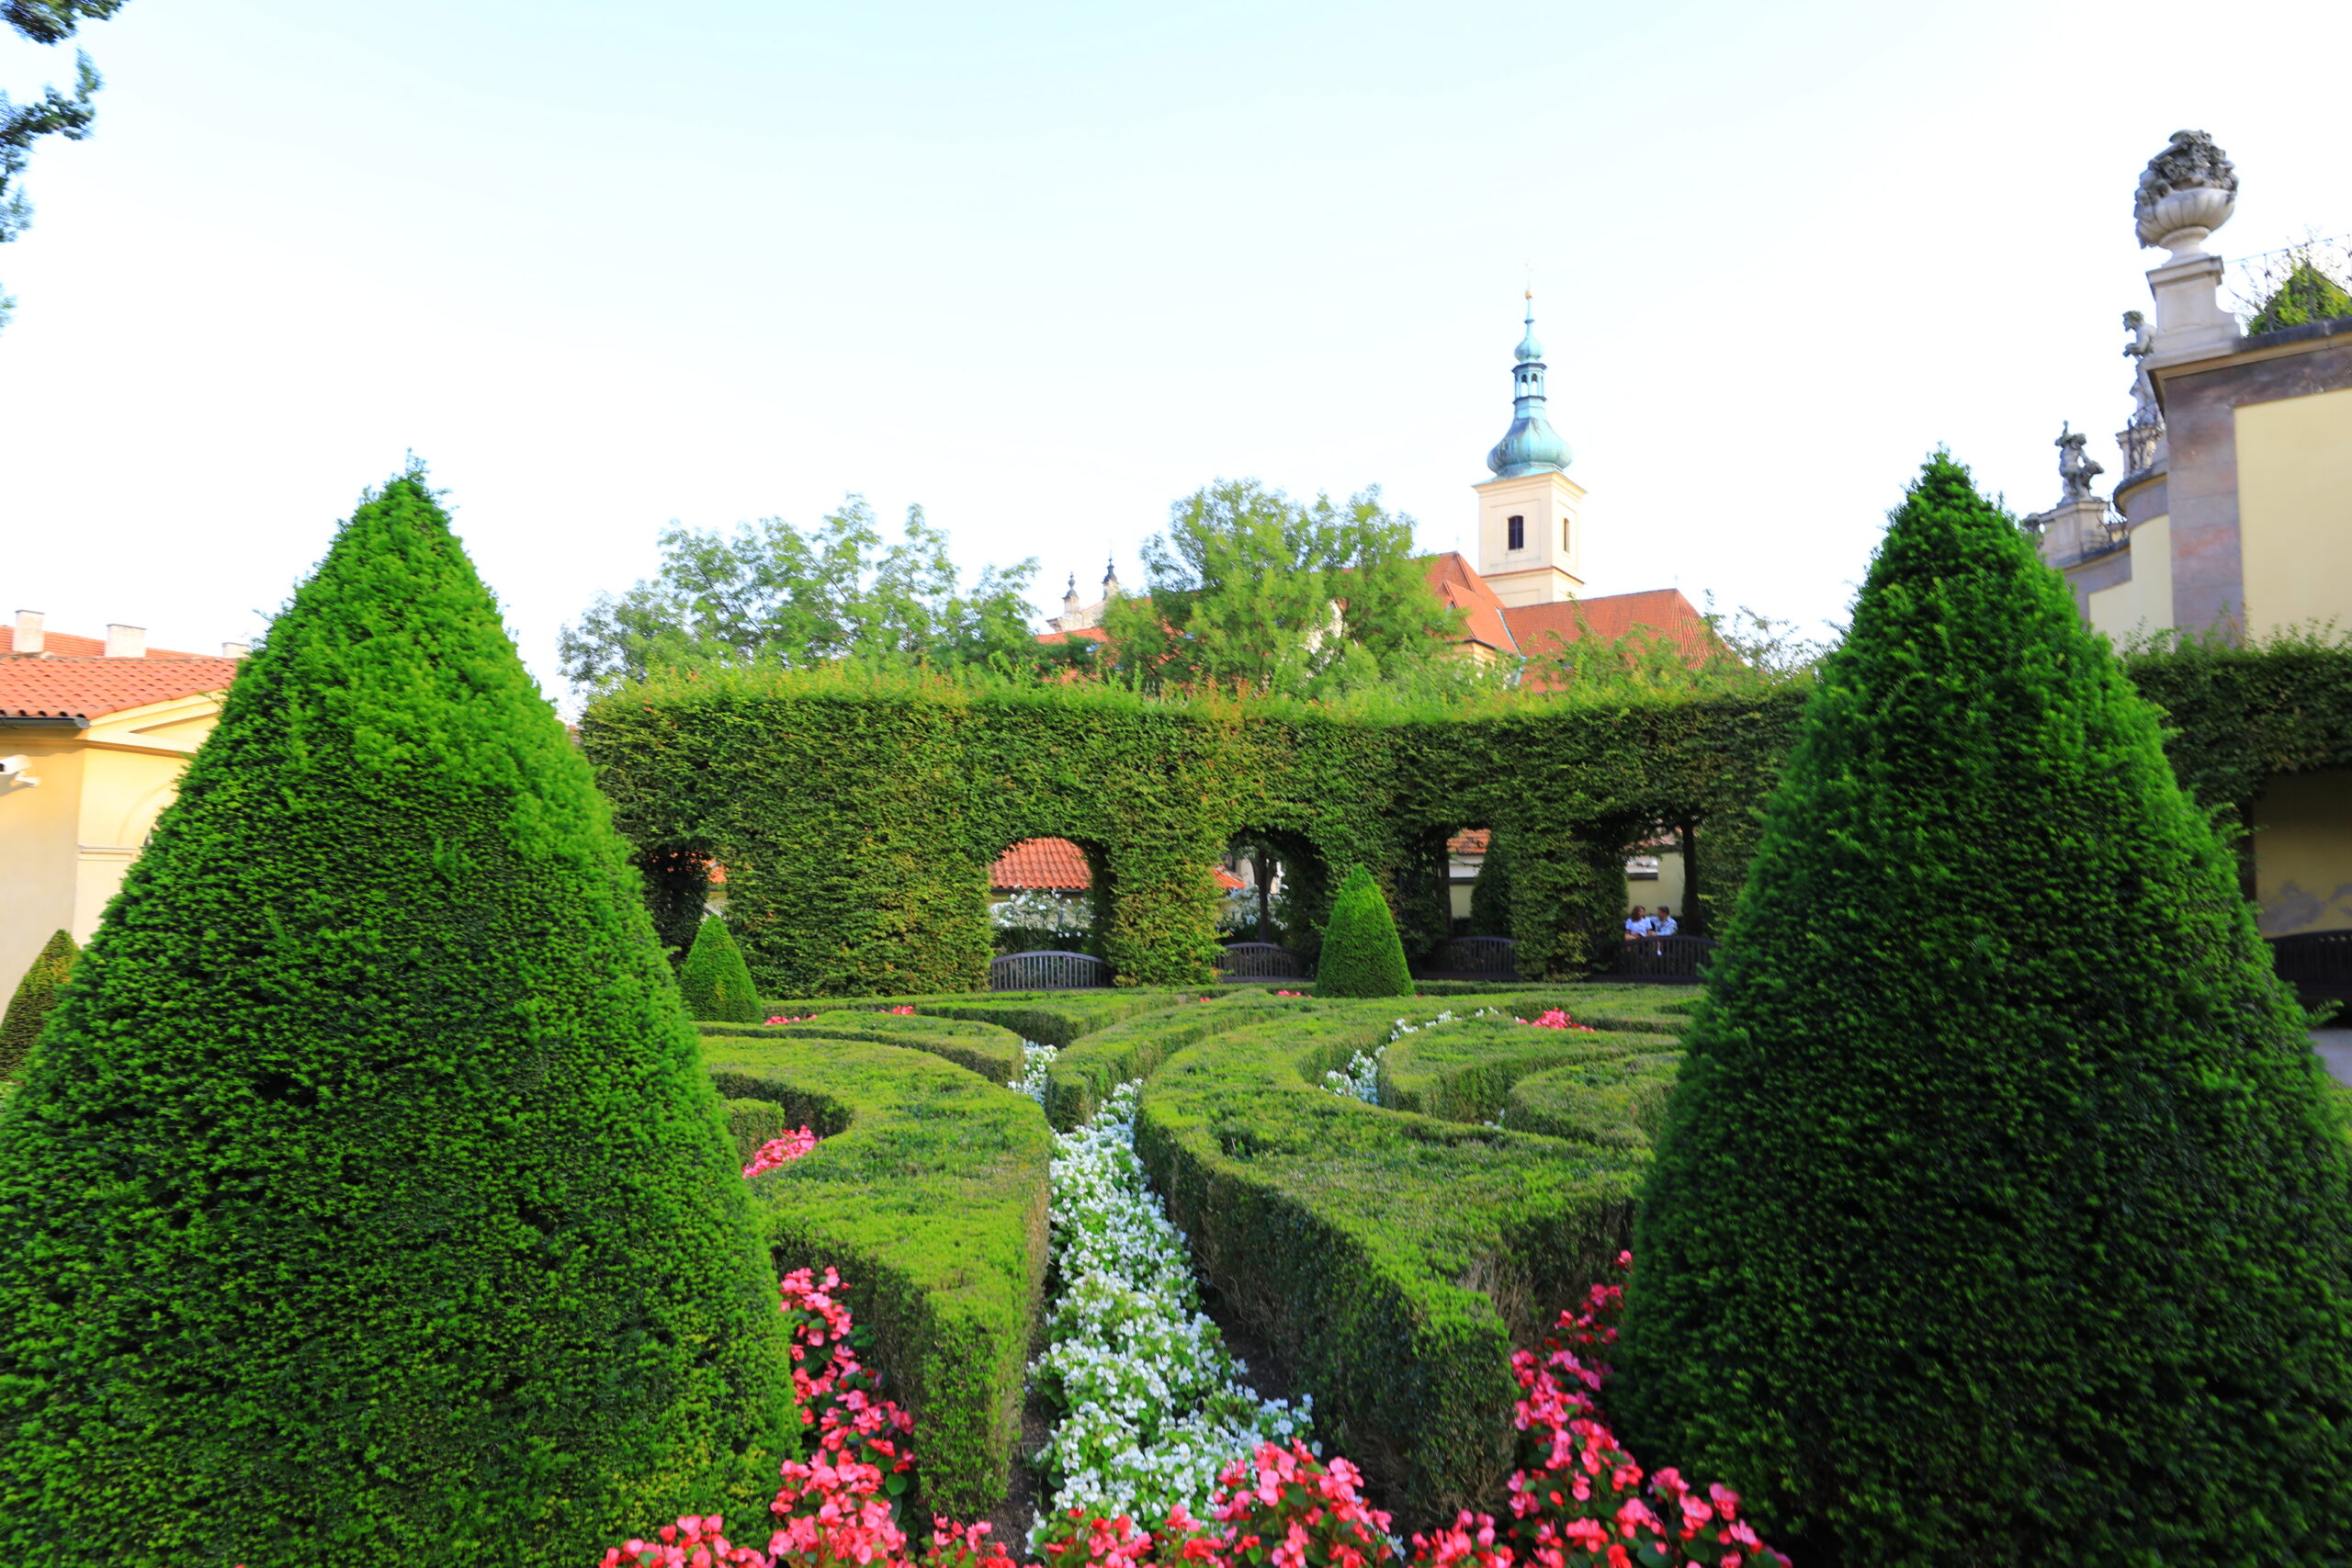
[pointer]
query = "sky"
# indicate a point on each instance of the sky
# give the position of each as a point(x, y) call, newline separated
point(1044, 268)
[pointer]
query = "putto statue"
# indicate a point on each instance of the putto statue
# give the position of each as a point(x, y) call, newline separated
point(2144, 410)
point(2075, 469)
point(2187, 191)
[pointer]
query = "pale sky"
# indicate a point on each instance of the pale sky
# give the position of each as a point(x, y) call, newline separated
point(1044, 268)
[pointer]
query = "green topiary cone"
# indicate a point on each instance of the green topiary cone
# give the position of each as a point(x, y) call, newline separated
point(367, 1201)
point(35, 995)
point(1999, 1214)
point(1363, 955)
point(715, 980)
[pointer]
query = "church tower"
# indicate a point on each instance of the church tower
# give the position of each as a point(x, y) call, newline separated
point(1530, 537)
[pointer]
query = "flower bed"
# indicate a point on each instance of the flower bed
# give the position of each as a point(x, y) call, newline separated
point(1578, 1498)
point(1152, 1406)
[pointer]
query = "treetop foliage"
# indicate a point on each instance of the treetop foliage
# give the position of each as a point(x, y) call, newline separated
point(52, 113)
point(775, 595)
point(1248, 588)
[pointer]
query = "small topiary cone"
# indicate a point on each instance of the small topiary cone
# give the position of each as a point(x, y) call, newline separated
point(715, 981)
point(1363, 955)
point(36, 994)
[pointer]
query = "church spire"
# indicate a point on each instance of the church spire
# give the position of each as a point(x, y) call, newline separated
point(1530, 446)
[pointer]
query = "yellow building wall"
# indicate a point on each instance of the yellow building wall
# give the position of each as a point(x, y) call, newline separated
point(2302, 852)
point(2144, 604)
point(2295, 510)
point(1665, 888)
point(66, 842)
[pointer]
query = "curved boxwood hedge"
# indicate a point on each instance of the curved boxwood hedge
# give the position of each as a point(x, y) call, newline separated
point(929, 1194)
point(1392, 1259)
point(1048, 1018)
point(992, 1051)
point(1617, 1104)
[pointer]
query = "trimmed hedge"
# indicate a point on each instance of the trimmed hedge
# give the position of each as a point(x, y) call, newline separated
point(1047, 1018)
point(1392, 1259)
point(984, 1048)
point(751, 1123)
point(1362, 953)
point(929, 1194)
point(714, 982)
point(367, 1201)
point(30, 1005)
point(1083, 1074)
point(857, 814)
point(1617, 1104)
point(2002, 1210)
point(1468, 1070)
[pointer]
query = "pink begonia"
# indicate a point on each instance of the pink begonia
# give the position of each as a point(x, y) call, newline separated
point(901, 1012)
point(781, 1019)
point(1577, 1500)
point(780, 1151)
point(1557, 1018)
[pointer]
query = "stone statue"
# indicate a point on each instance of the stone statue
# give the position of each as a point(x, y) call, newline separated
point(2075, 469)
point(2187, 191)
point(2145, 411)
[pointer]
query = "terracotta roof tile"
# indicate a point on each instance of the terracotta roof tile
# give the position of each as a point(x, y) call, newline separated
point(1453, 580)
point(1469, 841)
point(1055, 864)
point(1663, 610)
point(65, 689)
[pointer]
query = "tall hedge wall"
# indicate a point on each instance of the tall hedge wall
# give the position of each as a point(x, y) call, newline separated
point(858, 817)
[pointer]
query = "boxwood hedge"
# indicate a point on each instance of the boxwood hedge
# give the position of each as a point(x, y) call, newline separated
point(1393, 1259)
point(927, 1192)
point(984, 1048)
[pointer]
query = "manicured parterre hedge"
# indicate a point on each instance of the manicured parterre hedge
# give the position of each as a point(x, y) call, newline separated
point(1393, 1259)
point(927, 1192)
point(982, 1048)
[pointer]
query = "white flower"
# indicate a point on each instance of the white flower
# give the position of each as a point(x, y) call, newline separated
point(1155, 1404)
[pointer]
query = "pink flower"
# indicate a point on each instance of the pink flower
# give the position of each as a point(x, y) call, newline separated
point(781, 1151)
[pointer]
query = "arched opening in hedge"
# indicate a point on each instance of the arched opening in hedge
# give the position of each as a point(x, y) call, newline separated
point(1051, 893)
point(1290, 882)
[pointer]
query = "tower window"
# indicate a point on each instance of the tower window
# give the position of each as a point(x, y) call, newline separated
point(1564, 536)
point(1517, 534)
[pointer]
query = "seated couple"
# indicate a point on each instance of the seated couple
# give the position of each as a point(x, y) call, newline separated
point(1660, 924)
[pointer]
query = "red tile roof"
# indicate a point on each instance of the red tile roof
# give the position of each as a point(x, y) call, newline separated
point(1541, 628)
point(1469, 841)
point(65, 645)
point(1052, 864)
point(1057, 865)
point(1483, 620)
point(1089, 634)
point(67, 689)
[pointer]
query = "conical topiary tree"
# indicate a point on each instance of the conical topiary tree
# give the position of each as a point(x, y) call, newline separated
point(1999, 1214)
point(367, 1201)
point(35, 995)
point(715, 980)
point(1363, 955)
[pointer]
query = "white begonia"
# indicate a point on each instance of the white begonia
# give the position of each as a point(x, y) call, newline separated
point(1035, 1060)
point(1155, 1404)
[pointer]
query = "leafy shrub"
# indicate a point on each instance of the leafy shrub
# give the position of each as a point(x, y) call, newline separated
point(366, 1201)
point(1621, 1104)
point(1992, 1046)
point(1363, 955)
point(929, 1193)
point(751, 1123)
point(35, 995)
point(714, 980)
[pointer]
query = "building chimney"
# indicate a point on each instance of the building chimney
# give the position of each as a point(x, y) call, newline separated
point(235, 650)
point(31, 638)
point(126, 642)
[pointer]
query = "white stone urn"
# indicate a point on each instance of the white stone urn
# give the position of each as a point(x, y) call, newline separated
point(2187, 191)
